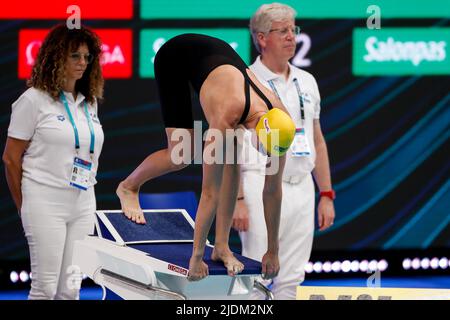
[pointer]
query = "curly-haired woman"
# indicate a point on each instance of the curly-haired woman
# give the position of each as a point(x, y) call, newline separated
point(51, 156)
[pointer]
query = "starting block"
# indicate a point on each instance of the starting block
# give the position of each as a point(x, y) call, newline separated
point(151, 261)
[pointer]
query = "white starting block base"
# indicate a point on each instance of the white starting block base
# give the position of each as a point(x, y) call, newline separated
point(135, 274)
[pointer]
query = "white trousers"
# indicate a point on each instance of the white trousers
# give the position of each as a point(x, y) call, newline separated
point(295, 234)
point(53, 219)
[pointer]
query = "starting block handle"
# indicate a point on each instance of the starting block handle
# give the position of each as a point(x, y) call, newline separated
point(266, 291)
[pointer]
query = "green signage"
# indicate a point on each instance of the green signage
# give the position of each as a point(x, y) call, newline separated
point(244, 9)
point(401, 51)
point(152, 39)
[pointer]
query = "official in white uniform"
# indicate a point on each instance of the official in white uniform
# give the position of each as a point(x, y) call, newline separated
point(273, 30)
point(51, 157)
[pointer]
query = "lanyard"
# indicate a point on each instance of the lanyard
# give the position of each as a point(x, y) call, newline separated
point(299, 93)
point(300, 98)
point(274, 89)
point(75, 130)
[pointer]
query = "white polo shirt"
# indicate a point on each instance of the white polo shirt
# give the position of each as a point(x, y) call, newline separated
point(38, 118)
point(286, 89)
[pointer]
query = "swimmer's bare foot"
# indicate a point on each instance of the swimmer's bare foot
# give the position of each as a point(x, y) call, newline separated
point(233, 265)
point(197, 269)
point(129, 200)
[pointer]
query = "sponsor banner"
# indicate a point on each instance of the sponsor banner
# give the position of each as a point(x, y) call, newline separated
point(177, 269)
point(117, 58)
point(116, 47)
point(50, 9)
point(401, 51)
point(361, 293)
point(29, 43)
point(238, 9)
point(152, 39)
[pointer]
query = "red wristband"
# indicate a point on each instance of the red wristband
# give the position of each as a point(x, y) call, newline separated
point(329, 194)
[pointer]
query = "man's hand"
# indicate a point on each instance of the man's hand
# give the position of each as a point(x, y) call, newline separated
point(240, 216)
point(326, 213)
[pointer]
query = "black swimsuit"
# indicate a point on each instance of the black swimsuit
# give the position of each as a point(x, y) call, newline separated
point(189, 59)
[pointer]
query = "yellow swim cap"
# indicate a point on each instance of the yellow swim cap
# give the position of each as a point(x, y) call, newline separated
point(268, 125)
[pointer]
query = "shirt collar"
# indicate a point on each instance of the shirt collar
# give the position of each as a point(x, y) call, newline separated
point(267, 74)
point(69, 97)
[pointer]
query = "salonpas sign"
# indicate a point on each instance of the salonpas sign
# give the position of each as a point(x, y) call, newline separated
point(401, 51)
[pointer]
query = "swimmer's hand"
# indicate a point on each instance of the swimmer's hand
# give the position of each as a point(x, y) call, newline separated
point(270, 266)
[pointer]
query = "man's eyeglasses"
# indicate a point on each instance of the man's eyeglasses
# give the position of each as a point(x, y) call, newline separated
point(76, 56)
point(283, 32)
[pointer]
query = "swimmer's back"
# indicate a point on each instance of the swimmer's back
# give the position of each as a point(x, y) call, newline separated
point(197, 55)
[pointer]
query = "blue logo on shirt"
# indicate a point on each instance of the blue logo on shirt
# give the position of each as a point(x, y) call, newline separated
point(61, 117)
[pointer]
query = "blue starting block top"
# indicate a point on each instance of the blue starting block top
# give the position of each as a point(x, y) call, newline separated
point(161, 226)
point(168, 236)
point(180, 253)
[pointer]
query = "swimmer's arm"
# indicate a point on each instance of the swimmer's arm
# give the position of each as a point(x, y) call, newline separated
point(272, 195)
point(240, 214)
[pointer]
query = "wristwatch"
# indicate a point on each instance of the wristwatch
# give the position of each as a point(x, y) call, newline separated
point(329, 194)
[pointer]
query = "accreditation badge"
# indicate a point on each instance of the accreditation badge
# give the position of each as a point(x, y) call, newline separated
point(300, 146)
point(81, 173)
